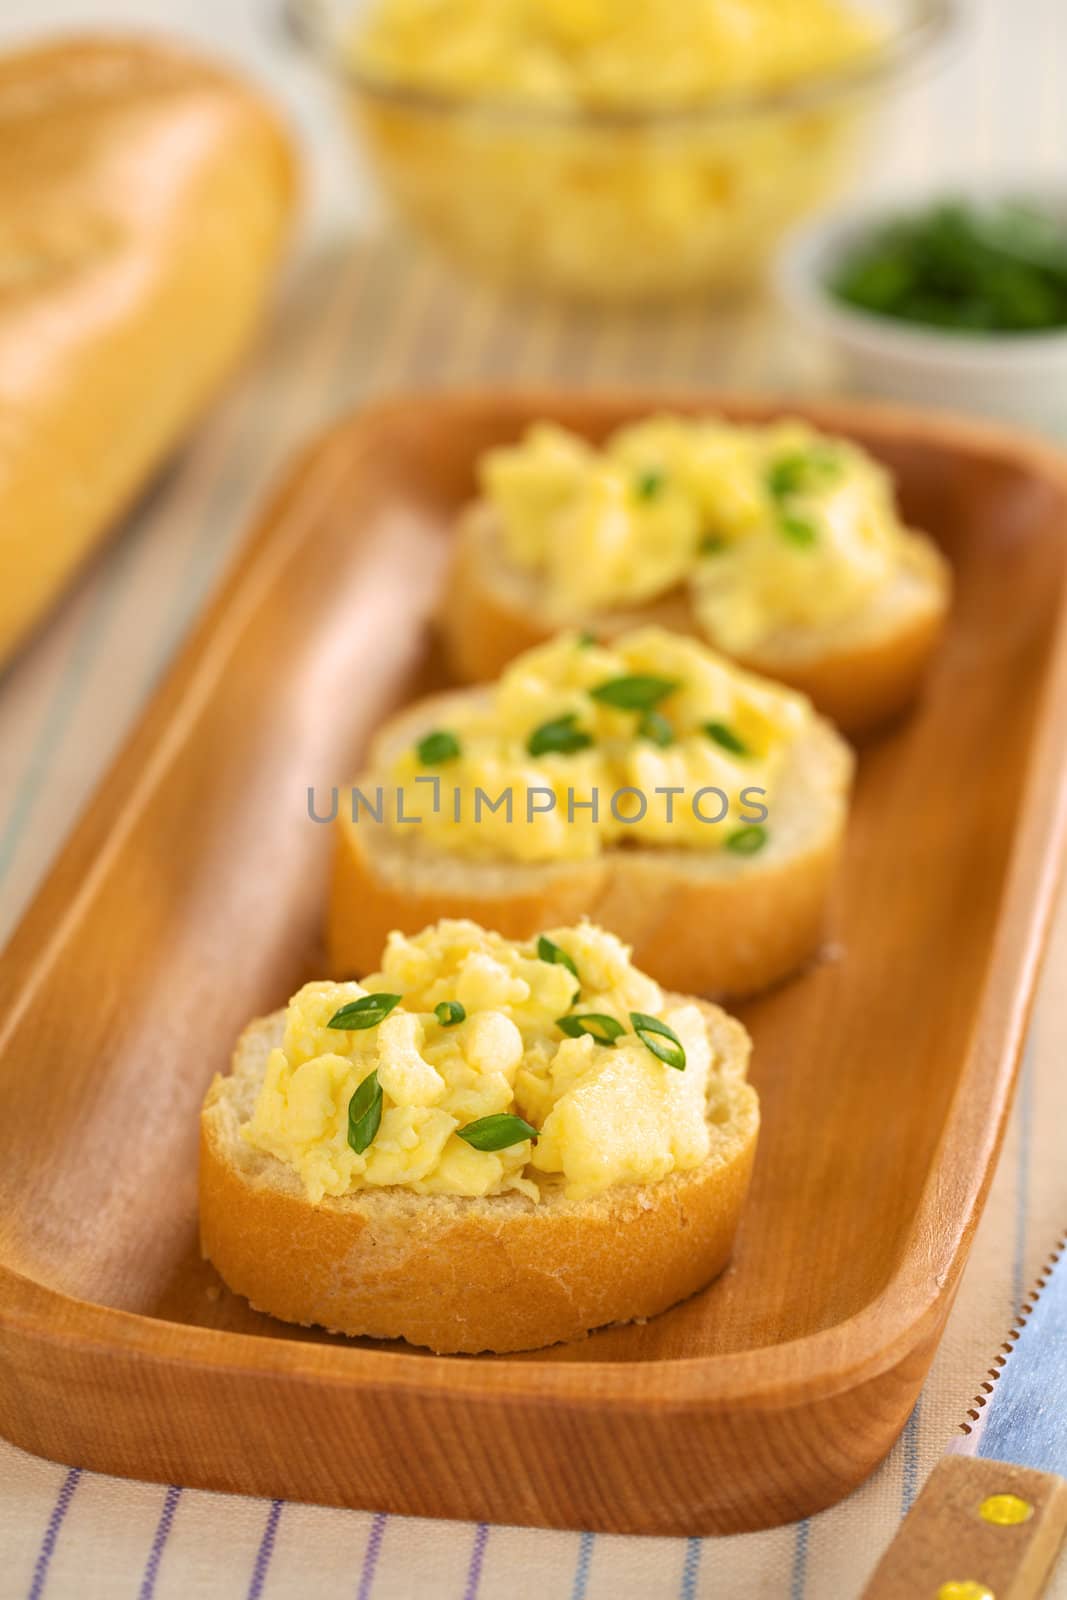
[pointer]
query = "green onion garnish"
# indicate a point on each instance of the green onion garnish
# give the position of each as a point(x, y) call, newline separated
point(560, 736)
point(365, 1114)
point(967, 268)
point(649, 484)
point(449, 1012)
point(604, 1029)
point(437, 748)
point(638, 692)
point(654, 726)
point(800, 530)
point(712, 544)
point(365, 1012)
point(747, 841)
point(723, 734)
point(661, 1040)
point(497, 1132)
point(547, 951)
point(586, 640)
point(787, 476)
point(804, 471)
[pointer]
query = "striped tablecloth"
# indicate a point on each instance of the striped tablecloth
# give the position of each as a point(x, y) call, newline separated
point(363, 314)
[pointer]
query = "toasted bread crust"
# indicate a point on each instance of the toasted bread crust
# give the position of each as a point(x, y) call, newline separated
point(459, 1275)
point(485, 623)
point(719, 937)
point(867, 685)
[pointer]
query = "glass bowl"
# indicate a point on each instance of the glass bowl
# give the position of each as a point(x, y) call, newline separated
point(616, 204)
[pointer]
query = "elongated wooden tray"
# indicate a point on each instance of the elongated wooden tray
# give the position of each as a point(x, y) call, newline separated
point(191, 897)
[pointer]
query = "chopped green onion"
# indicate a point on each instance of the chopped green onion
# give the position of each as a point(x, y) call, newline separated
point(713, 544)
point(437, 748)
point(547, 951)
point(652, 1034)
point(498, 1132)
point(638, 692)
point(649, 484)
point(449, 1012)
point(654, 726)
point(365, 1012)
point(747, 841)
point(365, 1114)
point(967, 268)
point(804, 471)
point(787, 476)
point(560, 736)
point(723, 734)
point(604, 1029)
point(800, 530)
point(586, 640)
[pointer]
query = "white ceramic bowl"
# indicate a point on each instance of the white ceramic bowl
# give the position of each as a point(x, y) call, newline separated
point(1021, 378)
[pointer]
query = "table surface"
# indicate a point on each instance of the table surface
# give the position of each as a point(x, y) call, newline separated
point(363, 313)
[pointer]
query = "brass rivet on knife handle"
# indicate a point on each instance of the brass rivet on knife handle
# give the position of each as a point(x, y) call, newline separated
point(950, 1548)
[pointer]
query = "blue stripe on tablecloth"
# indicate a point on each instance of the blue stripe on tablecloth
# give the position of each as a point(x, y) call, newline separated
point(87, 643)
point(155, 1555)
point(474, 1571)
point(265, 1551)
point(910, 1450)
point(370, 1557)
point(581, 1566)
point(1019, 1285)
point(229, 489)
point(51, 1533)
point(798, 1578)
point(690, 1569)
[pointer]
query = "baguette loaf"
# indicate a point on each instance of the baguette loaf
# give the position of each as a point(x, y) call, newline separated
point(859, 673)
point(459, 1274)
point(144, 199)
point(701, 922)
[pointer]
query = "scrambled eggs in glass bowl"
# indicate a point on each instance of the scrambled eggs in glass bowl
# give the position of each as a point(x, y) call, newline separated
point(613, 149)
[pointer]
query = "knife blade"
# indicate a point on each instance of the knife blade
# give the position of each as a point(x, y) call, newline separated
point(992, 1515)
point(1021, 1413)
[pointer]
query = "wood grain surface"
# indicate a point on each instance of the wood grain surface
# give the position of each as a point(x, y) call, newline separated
point(190, 898)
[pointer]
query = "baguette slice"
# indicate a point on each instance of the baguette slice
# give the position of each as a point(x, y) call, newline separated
point(709, 922)
point(468, 1275)
point(859, 673)
point(145, 197)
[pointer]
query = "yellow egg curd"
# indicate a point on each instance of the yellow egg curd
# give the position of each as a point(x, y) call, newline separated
point(466, 1047)
point(603, 53)
point(771, 528)
point(581, 747)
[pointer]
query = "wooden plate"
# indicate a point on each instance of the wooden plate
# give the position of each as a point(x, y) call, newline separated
point(191, 896)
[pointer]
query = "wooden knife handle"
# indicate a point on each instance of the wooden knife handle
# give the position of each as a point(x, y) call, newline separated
point(980, 1530)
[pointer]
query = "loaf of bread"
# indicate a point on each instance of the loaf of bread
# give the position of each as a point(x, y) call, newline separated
point(145, 198)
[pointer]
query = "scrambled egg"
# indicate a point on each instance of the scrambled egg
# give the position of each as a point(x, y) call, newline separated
point(771, 527)
point(609, 52)
point(541, 769)
point(606, 1114)
point(570, 197)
